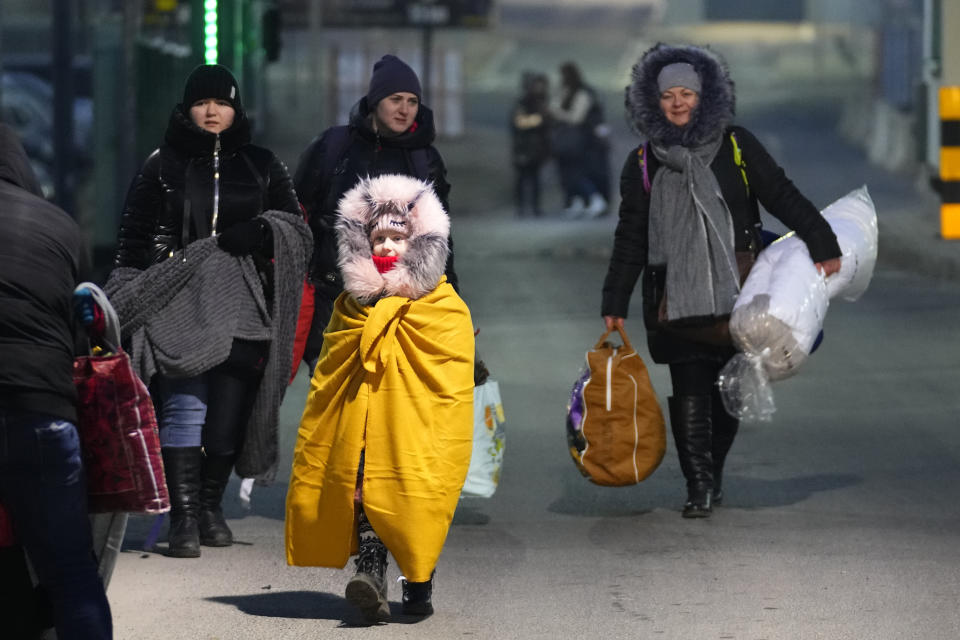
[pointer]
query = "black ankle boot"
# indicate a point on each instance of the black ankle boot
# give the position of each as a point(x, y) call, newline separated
point(690, 420)
point(367, 589)
point(417, 598)
point(724, 431)
point(214, 531)
point(182, 467)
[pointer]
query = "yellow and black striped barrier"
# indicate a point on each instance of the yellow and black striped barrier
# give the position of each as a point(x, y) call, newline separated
point(949, 183)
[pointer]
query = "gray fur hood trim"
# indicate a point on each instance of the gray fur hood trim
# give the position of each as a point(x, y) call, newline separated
point(717, 99)
point(419, 269)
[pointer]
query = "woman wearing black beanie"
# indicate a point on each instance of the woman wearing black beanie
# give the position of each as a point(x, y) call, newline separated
point(390, 132)
point(207, 211)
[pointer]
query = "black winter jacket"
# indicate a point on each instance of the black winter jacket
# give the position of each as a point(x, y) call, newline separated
point(530, 132)
point(39, 268)
point(321, 180)
point(180, 183)
point(768, 185)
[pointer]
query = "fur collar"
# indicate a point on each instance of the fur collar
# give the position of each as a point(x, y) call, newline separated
point(717, 99)
point(191, 140)
point(418, 271)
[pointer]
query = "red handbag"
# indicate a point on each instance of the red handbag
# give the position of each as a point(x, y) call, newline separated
point(117, 423)
point(118, 437)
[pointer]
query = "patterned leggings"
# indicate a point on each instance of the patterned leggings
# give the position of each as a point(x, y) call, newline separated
point(368, 538)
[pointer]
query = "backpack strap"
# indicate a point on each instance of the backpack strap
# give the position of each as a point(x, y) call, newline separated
point(738, 160)
point(421, 163)
point(642, 159)
point(338, 140)
point(259, 178)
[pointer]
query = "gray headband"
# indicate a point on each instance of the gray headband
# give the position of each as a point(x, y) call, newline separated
point(678, 74)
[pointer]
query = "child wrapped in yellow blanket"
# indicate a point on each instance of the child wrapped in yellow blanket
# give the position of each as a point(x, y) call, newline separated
point(385, 440)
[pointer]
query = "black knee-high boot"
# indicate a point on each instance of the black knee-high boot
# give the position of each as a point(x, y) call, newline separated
point(724, 431)
point(232, 388)
point(182, 466)
point(367, 589)
point(214, 531)
point(690, 419)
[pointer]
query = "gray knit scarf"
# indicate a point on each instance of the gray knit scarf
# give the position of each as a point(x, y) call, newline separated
point(691, 232)
point(180, 317)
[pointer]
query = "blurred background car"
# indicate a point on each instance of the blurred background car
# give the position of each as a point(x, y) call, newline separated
point(26, 104)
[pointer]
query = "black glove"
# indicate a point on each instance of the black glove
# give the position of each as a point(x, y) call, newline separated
point(244, 237)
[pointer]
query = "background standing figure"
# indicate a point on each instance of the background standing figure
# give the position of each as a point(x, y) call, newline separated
point(42, 480)
point(208, 181)
point(694, 249)
point(530, 137)
point(580, 152)
point(390, 132)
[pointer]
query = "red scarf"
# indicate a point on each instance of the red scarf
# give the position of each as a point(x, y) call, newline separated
point(385, 263)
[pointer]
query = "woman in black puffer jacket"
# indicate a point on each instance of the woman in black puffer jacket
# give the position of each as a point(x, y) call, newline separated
point(206, 180)
point(692, 247)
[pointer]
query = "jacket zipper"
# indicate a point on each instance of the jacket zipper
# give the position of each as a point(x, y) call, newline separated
point(609, 381)
point(216, 185)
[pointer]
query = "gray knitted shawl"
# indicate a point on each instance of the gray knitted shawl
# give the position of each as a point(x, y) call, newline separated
point(179, 318)
point(691, 231)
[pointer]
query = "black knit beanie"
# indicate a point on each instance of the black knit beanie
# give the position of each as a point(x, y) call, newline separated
point(391, 75)
point(211, 81)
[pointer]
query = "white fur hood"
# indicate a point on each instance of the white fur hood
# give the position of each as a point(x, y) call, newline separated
point(418, 271)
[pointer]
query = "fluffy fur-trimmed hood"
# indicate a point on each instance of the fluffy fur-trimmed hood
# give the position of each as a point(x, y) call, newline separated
point(419, 269)
point(717, 100)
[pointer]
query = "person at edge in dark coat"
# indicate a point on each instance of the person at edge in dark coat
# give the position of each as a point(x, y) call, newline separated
point(390, 132)
point(530, 138)
point(692, 248)
point(206, 179)
point(42, 483)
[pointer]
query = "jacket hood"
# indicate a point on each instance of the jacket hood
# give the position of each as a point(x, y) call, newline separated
point(420, 268)
point(713, 114)
point(185, 136)
point(14, 164)
point(422, 135)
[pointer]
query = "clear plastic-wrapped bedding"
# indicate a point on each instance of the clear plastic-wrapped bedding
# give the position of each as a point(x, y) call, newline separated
point(784, 301)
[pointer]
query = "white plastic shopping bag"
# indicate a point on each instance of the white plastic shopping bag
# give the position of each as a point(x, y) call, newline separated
point(488, 440)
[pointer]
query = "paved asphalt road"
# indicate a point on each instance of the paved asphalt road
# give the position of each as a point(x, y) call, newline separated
point(841, 521)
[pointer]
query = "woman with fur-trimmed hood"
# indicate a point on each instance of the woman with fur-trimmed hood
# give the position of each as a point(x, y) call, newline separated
point(386, 435)
point(690, 223)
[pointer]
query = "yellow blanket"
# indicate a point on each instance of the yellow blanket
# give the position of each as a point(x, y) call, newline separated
point(396, 380)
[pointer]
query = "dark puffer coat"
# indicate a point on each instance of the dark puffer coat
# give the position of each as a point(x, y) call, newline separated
point(768, 185)
point(40, 264)
point(321, 180)
point(209, 181)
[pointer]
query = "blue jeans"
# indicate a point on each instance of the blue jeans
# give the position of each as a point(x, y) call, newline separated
point(181, 410)
point(43, 486)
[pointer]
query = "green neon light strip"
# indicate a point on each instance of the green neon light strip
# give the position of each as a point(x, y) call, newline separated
point(210, 32)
